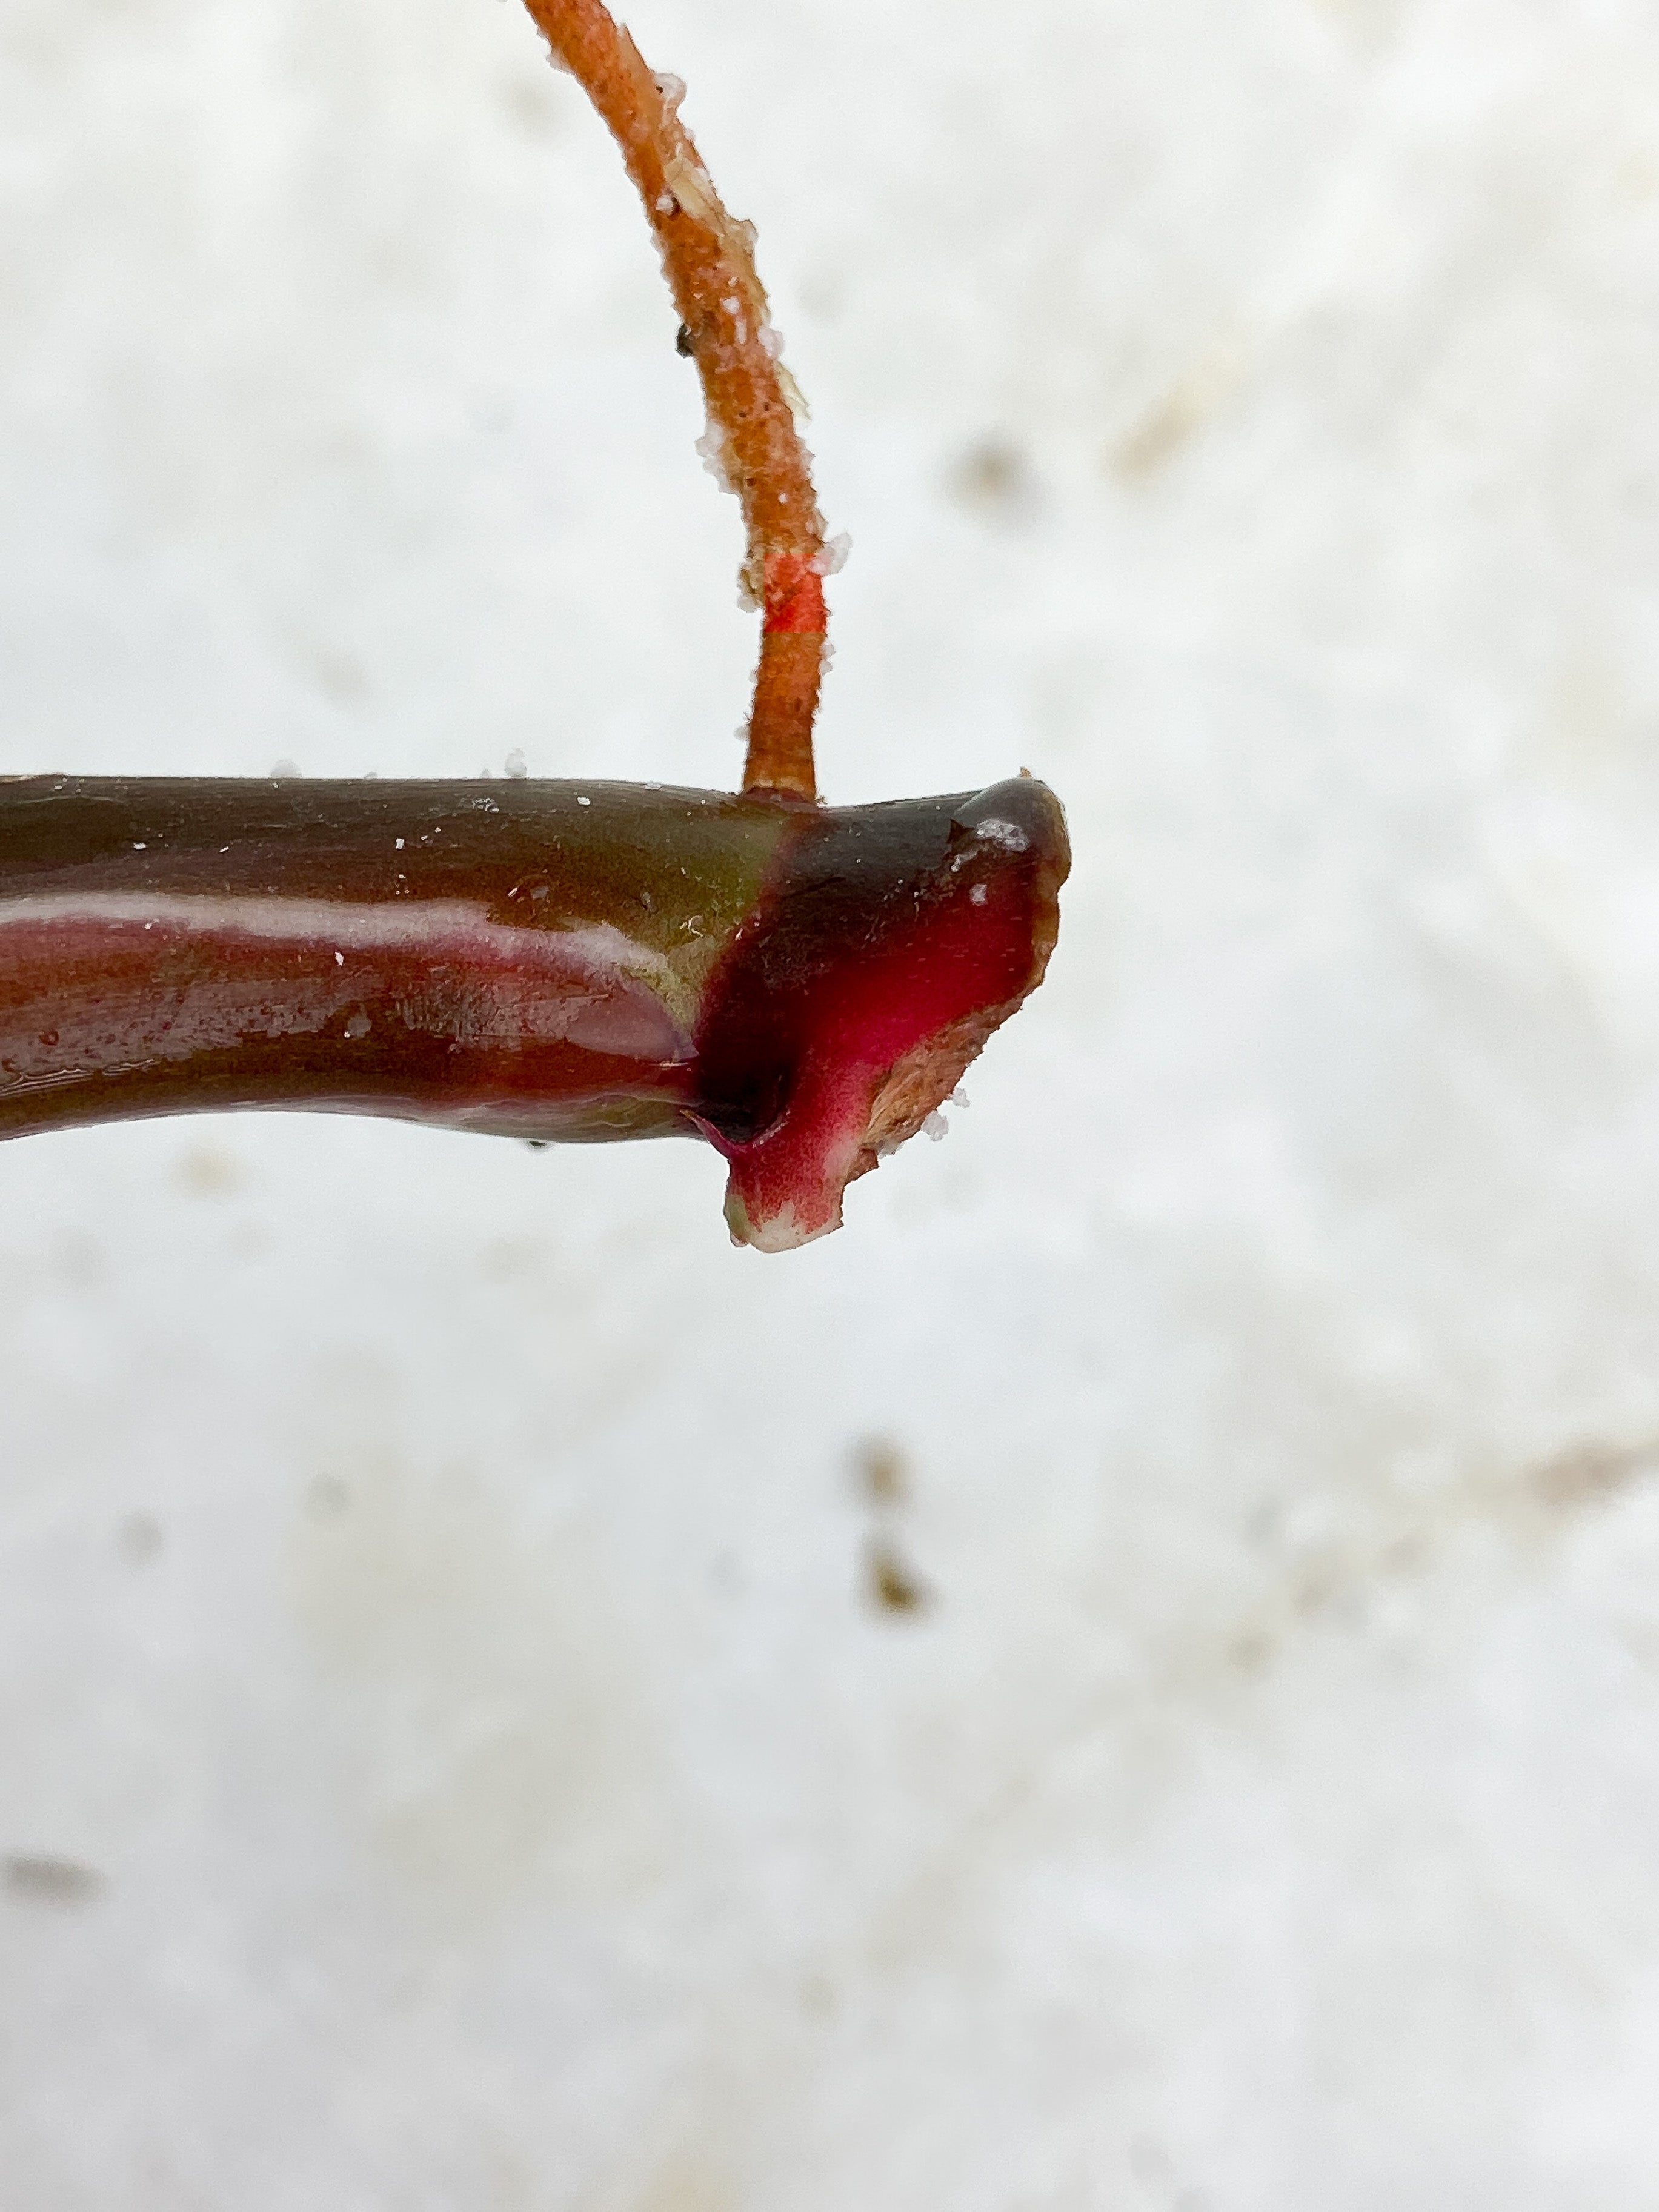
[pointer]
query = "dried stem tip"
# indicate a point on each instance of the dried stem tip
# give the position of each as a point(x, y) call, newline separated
point(752, 440)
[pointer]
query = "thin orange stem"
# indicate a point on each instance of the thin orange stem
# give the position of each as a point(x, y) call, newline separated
point(709, 261)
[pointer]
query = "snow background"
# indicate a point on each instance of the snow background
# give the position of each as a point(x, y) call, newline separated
point(452, 1758)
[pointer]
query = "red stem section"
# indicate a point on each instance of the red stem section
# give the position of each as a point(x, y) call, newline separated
point(708, 259)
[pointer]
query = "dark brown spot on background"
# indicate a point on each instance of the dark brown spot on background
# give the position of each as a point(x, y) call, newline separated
point(894, 1585)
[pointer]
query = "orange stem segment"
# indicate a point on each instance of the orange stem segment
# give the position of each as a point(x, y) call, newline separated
point(708, 259)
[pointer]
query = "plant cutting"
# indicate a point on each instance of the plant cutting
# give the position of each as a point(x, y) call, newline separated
point(801, 985)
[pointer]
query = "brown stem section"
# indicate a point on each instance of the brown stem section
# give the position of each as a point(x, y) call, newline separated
point(709, 261)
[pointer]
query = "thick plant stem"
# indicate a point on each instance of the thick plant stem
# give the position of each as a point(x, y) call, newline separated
point(800, 986)
point(752, 440)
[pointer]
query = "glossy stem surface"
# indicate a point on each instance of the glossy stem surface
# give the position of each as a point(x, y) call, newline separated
point(551, 960)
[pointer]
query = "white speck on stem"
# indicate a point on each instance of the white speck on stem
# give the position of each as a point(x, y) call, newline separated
point(582, 801)
point(688, 182)
point(711, 450)
point(995, 831)
point(398, 843)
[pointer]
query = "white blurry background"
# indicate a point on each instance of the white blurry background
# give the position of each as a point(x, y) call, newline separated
point(454, 1755)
